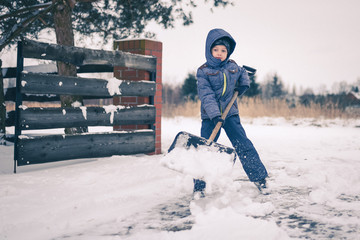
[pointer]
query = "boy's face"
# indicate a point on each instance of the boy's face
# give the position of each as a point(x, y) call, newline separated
point(219, 52)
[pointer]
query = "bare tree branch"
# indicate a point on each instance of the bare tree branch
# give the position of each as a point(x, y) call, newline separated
point(22, 10)
point(37, 6)
point(19, 28)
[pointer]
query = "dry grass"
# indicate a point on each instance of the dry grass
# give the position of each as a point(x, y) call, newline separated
point(10, 106)
point(188, 109)
point(252, 107)
point(255, 107)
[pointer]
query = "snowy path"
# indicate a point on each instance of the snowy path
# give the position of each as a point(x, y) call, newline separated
point(314, 176)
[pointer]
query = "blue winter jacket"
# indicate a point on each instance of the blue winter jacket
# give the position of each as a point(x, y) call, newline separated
point(217, 79)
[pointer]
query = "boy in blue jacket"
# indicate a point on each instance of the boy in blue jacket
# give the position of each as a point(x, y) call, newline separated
point(217, 80)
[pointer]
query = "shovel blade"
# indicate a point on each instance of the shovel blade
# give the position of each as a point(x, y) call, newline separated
point(186, 140)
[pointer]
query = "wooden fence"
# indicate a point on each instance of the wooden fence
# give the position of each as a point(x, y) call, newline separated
point(32, 149)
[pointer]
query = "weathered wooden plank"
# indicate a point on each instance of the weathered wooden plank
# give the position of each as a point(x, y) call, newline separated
point(50, 148)
point(40, 83)
point(51, 68)
point(83, 56)
point(95, 69)
point(10, 96)
point(45, 118)
point(10, 119)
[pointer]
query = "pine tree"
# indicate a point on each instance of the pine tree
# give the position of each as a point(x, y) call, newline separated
point(254, 88)
point(273, 87)
point(277, 87)
point(189, 88)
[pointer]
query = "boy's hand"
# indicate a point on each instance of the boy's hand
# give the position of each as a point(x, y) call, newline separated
point(241, 90)
point(218, 119)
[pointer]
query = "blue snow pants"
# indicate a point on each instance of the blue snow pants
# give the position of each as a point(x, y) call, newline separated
point(244, 148)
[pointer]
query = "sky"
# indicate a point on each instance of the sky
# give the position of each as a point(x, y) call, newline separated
point(308, 43)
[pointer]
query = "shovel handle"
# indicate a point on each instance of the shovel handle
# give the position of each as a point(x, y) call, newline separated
point(223, 116)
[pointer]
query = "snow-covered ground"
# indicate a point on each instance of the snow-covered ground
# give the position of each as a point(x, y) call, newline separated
point(314, 189)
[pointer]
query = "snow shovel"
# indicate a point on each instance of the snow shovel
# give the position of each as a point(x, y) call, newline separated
point(186, 140)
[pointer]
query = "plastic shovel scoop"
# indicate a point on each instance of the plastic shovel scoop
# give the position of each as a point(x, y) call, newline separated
point(187, 141)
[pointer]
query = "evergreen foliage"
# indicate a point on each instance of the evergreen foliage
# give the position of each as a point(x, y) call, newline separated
point(254, 88)
point(273, 88)
point(189, 88)
point(111, 19)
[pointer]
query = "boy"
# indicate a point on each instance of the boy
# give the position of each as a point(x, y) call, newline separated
point(217, 80)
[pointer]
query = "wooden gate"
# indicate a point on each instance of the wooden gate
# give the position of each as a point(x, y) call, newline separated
point(33, 149)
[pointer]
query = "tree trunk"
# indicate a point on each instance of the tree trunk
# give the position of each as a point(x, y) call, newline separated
point(2, 109)
point(65, 36)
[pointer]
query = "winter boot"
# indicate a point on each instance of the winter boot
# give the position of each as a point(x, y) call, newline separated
point(261, 185)
point(199, 188)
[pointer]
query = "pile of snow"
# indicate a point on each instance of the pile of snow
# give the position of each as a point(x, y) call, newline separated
point(203, 162)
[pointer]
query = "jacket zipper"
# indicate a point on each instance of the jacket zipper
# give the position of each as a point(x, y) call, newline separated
point(224, 85)
point(224, 90)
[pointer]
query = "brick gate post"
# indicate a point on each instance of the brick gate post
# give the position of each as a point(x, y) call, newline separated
point(145, 47)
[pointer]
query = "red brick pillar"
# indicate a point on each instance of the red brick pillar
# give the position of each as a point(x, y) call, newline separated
point(145, 47)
